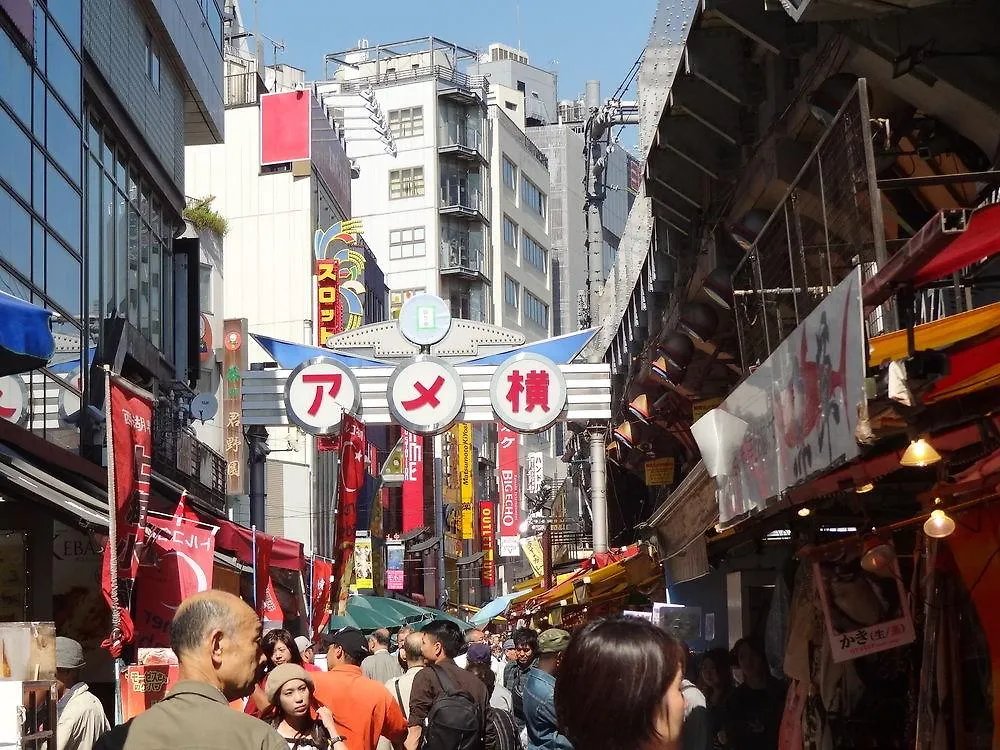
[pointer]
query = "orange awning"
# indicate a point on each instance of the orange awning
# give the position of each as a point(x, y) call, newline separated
point(939, 335)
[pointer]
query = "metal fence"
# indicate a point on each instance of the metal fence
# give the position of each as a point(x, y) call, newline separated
point(181, 457)
point(829, 221)
point(474, 84)
point(241, 89)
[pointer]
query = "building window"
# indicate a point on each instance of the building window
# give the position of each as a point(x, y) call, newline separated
point(511, 291)
point(407, 122)
point(532, 197)
point(406, 183)
point(535, 310)
point(205, 287)
point(533, 253)
point(509, 233)
point(509, 174)
point(407, 243)
point(152, 61)
point(512, 106)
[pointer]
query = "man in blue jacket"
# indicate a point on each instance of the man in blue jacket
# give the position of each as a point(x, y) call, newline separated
point(539, 693)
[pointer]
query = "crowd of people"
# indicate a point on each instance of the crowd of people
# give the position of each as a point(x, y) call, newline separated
point(615, 684)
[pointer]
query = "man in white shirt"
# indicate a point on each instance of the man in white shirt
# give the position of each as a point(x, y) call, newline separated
point(80, 716)
point(400, 687)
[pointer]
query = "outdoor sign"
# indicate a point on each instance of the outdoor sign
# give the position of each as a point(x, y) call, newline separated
point(534, 473)
point(528, 392)
point(319, 609)
point(466, 478)
point(858, 620)
point(395, 554)
point(285, 127)
point(339, 269)
point(363, 574)
point(234, 363)
point(425, 394)
point(532, 548)
point(145, 685)
point(327, 280)
point(425, 319)
point(487, 533)
point(659, 472)
point(509, 468)
point(413, 481)
point(318, 393)
point(451, 492)
point(795, 416)
point(14, 399)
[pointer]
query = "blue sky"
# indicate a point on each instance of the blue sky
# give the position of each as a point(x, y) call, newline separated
point(579, 39)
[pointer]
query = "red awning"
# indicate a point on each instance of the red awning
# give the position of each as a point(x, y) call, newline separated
point(980, 240)
point(237, 539)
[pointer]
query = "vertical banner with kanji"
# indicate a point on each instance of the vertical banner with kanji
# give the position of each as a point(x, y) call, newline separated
point(467, 479)
point(487, 533)
point(234, 362)
point(129, 442)
point(322, 572)
point(351, 480)
point(413, 481)
point(263, 544)
point(177, 563)
point(510, 491)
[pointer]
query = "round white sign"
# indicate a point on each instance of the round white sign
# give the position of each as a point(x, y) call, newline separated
point(424, 319)
point(528, 392)
point(69, 402)
point(425, 395)
point(318, 392)
point(13, 399)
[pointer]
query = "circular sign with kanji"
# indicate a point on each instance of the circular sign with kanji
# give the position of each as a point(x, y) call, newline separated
point(13, 399)
point(425, 395)
point(424, 319)
point(528, 392)
point(318, 392)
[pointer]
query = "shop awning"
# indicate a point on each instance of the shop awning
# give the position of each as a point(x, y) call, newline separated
point(285, 553)
point(26, 340)
point(980, 240)
point(939, 335)
point(689, 511)
point(26, 477)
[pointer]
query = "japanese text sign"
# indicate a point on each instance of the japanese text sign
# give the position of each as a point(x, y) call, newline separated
point(234, 362)
point(329, 315)
point(425, 395)
point(528, 392)
point(487, 534)
point(659, 472)
point(510, 490)
point(318, 393)
point(413, 481)
point(467, 479)
point(395, 554)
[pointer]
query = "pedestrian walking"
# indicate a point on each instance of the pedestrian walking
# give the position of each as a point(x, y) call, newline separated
point(472, 635)
point(401, 635)
point(619, 687)
point(479, 656)
point(516, 672)
point(364, 709)
point(216, 638)
point(539, 693)
point(279, 648)
point(401, 687)
point(697, 732)
point(80, 719)
point(715, 680)
point(501, 731)
point(382, 665)
point(289, 689)
point(753, 711)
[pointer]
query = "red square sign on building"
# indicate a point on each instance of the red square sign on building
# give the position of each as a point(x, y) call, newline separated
point(285, 127)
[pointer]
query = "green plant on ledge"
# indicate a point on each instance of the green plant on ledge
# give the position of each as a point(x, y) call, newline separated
point(200, 213)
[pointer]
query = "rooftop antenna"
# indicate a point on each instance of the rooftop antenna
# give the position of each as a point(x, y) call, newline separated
point(518, 24)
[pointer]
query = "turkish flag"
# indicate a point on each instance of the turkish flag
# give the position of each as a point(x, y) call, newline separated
point(351, 481)
point(322, 572)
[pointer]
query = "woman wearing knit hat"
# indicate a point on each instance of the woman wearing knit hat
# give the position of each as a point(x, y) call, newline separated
point(289, 690)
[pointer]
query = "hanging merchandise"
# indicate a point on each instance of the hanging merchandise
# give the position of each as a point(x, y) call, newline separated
point(351, 480)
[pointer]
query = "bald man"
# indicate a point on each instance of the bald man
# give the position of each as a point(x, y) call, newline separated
point(216, 637)
point(381, 666)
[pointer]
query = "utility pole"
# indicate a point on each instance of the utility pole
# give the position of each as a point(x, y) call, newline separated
point(257, 451)
point(599, 487)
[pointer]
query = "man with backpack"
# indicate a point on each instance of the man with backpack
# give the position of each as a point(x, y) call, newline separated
point(447, 704)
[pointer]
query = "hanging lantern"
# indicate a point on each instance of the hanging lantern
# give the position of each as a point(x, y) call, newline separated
point(920, 453)
point(878, 556)
point(663, 369)
point(939, 525)
point(639, 407)
point(678, 348)
point(623, 433)
point(699, 320)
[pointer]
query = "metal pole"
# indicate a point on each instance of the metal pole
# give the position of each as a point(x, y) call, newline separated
point(257, 438)
point(439, 514)
point(595, 231)
point(547, 582)
point(599, 487)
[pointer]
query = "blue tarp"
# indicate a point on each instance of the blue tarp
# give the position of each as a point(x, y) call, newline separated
point(25, 336)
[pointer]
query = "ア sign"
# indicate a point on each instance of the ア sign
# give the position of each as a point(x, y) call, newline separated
point(318, 393)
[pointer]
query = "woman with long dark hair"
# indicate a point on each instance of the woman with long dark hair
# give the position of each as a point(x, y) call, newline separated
point(715, 680)
point(278, 647)
point(619, 687)
point(289, 691)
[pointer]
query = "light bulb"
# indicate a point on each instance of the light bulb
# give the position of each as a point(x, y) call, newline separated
point(939, 525)
point(878, 557)
point(864, 488)
point(804, 511)
point(920, 453)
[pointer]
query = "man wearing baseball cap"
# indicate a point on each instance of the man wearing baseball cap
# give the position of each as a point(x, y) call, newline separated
point(539, 693)
point(364, 708)
point(80, 716)
point(308, 653)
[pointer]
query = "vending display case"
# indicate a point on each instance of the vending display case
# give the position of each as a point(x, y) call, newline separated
point(27, 715)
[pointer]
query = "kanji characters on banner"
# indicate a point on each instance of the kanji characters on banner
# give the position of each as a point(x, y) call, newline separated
point(510, 492)
point(262, 570)
point(351, 480)
point(413, 481)
point(322, 572)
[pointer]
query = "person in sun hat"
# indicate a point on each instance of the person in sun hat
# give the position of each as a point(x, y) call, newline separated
point(289, 690)
point(80, 716)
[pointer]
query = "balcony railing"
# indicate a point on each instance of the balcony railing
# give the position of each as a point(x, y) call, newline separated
point(179, 456)
point(242, 89)
point(478, 85)
point(457, 257)
point(459, 198)
point(471, 142)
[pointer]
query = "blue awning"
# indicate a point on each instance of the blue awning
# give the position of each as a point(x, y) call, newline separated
point(495, 608)
point(25, 336)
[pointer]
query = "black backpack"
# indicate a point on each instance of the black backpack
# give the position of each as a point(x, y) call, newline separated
point(455, 721)
point(501, 731)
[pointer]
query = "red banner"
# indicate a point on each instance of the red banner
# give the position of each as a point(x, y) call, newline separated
point(487, 534)
point(413, 481)
point(262, 570)
point(322, 572)
point(508, 463)
point(351, 482)
point(177, 563)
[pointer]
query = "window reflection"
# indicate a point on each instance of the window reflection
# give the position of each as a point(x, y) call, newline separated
point(62, 206)
point(63, 70)
point(62, 138)
point(15, 239)
point(15, 156)
point(15, 83)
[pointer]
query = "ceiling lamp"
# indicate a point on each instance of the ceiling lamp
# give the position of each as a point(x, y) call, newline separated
point(719, 288)
point(920, 453)
point(623, 433)
point(864, 488)
point(878, 557)
point(663, 369)
point(805, 511)
point(829, 96)
point(678, 348)
point(745, 231)
point(699, 320)
point(639, 407)
point(939, 525)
